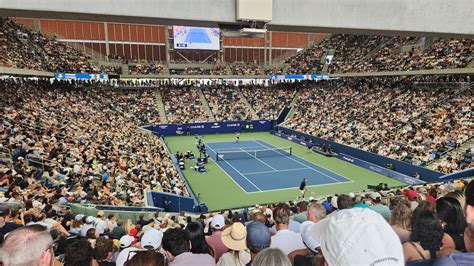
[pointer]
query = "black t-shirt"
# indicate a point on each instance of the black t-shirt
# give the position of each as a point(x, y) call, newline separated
point(106, 263)
point(8, 227)
point(302, 185)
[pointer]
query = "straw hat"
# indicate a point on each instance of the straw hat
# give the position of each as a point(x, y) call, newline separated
point(235, 236)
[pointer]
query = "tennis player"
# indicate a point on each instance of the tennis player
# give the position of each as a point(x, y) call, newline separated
point(303, 188)
point(237, 138)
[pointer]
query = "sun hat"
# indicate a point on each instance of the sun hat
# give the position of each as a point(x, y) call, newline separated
point(235, 237)
point(358, 236)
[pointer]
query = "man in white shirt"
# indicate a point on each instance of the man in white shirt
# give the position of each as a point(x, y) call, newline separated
point(111, 221)
point(285, 240)
point(100, 224)
point(88, 225)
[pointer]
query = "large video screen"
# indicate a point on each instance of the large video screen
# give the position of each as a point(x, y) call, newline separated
point(196, 38)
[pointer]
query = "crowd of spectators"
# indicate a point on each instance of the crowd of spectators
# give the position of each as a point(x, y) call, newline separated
point(455, 161)
point(78, 143)
point(407, 121)
point(269, 101)
point(23, 48)
point(226, 103)
point(145, 69)
point(364, 53)
point(442, 53)
point(245, 69)
point(429, 224)
point(183, 104)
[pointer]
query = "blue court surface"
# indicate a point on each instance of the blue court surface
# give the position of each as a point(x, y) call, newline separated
point(255, 168)
point(197, 36)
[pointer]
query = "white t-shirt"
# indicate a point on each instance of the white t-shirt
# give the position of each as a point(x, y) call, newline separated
point(111, 224)
point(287, 241)
point(85, 228)
point(100, 226)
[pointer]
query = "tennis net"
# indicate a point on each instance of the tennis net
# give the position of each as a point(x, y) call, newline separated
point(241, 154)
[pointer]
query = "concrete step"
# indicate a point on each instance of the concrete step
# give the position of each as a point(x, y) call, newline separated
point(323, 60)
point(204, 102)
point(466, 145)
point(161, 107)
point(375, 50)
point(293, 106)
point(244, 100)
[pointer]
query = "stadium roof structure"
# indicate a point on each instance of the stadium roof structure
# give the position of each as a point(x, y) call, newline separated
point(401, 17)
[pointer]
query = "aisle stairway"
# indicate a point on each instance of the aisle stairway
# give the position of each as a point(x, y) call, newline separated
point(249, 106)
point(293, 106)
point(161, 107)
point(206, 105)
point(462, 149)
point(375, 50)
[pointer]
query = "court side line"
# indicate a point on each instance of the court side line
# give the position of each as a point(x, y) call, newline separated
point(285, 170)
point(289, 157)
point(235, 170)
point(275, 170)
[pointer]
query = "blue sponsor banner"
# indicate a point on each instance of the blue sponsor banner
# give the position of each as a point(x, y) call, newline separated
point(457, 175)
point(178, 203)
point(376, 159)
point(381, 170)
point(80, 76)
point(289, 77)
point(211, 127)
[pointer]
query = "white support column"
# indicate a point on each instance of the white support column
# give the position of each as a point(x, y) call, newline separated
point(106, 34)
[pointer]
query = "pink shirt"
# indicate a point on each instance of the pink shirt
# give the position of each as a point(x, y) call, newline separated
point(215, 241)
point(188, 258)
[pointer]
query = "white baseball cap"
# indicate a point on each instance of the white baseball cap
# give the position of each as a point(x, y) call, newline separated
point(125, 255)
point(126, 241)
point(152, 237)
point(305, 231)
point(375, 195)
point(90, 219)
point(358, 236)
point(218, 222)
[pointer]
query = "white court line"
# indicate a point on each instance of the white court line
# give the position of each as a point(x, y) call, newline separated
point(235, 170)
point(286, 170)
point(275, 170)
point(289, 157)
point(297, 187)
point(233, 148)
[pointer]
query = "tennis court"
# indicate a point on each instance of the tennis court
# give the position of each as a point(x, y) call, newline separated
point(196, 35)
point(258, 166)
point(222, 187)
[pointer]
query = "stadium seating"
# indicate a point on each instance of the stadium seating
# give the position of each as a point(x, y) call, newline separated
point(67, 148)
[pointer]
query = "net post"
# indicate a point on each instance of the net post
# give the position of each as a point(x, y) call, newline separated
point(291, 150)
point(217, 156)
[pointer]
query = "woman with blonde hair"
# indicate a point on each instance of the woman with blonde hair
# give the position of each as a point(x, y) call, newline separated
point(128, 226)
point(400, 220)
point(271, 256)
